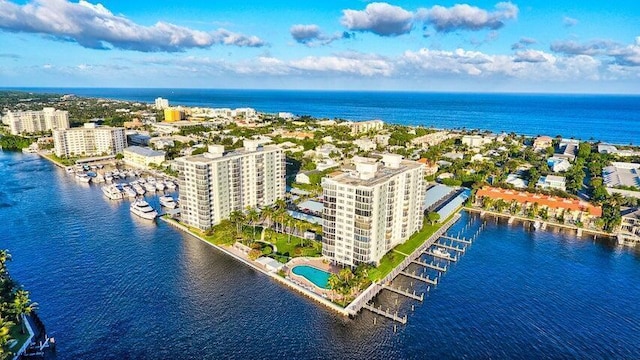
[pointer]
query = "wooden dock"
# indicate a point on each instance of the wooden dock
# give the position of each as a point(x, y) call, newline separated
point(430, 265)
point(462, 240)
point(421, 278)
point(404, 293)
point(387, 314)
point(449, 258)
point(454, 248)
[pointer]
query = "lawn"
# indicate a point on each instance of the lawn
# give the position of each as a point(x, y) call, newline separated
point(20, 338)
point(393, 257)
point(295, 246)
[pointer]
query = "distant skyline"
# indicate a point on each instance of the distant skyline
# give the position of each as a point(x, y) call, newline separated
point(477, 46)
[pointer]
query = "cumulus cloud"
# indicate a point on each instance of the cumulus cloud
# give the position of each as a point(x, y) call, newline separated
point(311, 35)
point(625, 55)
point(355, 64)
point(523, 43)
point(533, 56)
point(467, 17)
point(379, 18)
point(569, 22)
point(94, 26)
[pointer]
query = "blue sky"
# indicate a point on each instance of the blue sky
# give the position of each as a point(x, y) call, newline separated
point(518, 46)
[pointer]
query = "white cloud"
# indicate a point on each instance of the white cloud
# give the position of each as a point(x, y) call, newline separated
point(467, 17)
point(311, 35)
point(379, 18)
point(569, 22)
point(94, 26)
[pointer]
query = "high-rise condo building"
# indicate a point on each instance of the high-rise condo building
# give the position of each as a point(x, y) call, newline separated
point(215, 184)
point(27, 122)
point(89, 140)
point(371, 207)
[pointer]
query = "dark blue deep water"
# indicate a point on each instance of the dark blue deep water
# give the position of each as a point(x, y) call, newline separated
point(609, 118)
point(113, 287)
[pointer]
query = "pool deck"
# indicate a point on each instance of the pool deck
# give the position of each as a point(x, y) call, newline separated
point(318, 263)
point(299, 284)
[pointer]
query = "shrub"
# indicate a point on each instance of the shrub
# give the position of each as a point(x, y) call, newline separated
point(254, 254)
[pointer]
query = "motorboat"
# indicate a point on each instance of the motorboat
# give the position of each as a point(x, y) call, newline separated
point(167, 201)
point(83, 177)
point(170, 184)
point(128, 190)
point(139, 189)
point(98, 179)
point(442, 252)
point(108, 177)
point(69, 170)
point(149, 187)
point(160, 185)
point(112, 192)
point(142, 209)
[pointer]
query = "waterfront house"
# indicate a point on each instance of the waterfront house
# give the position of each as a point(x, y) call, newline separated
point(571, 209)
point(542, 143)
point(629, 233)
point(516, 181)
point(142, 157)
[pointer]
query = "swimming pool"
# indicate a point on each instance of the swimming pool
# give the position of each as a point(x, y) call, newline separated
point(319, 278)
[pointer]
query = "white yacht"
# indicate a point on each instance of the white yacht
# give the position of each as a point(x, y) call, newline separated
point(128, 190)
point(170, 184)
point(69, 170)
point(167, 201)
point(441, 252)
point(83, 177)
point(112, 192)
point(98, 179)
point(142, 209)
point(150, 187)
point(160, 185)
point(139, 189)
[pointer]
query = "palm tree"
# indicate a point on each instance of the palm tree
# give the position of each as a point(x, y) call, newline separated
point(252, 217)
point(267, 214)
point(237, 218)
point(22, 305)
point(4, 257)
point(5, 337)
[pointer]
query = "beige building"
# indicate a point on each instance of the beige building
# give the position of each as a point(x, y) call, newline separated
point(27, 122)
point(89, 140)
point(215, 184)
point(431, 139)
point(365, 126)
point(142, 156)
point(370, 208)
point(629, 233)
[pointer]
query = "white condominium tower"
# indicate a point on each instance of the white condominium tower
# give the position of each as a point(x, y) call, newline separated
point(35, 121)
point(371, 208)
point(89, 140)
point(161, 103)
point(215, 184)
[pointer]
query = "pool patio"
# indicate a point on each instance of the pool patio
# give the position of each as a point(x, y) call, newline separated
point(304, 282)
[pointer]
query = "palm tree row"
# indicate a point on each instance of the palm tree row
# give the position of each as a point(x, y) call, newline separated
point(14, 304)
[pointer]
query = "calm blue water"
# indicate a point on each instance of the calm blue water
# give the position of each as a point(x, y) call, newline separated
point(316, 276)
point(609, 118)
point(111, 286)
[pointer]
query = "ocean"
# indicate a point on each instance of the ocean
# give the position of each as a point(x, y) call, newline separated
point(111, 286)
point(609, 118)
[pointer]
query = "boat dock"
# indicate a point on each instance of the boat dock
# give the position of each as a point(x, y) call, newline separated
point(407, 281)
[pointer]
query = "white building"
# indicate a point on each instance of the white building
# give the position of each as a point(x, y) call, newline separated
point(475, 141)
point(215, 184)
point(365, 126)
point(365, 144)
point(552, 182)
point(558, 164)
point(161, 103)
point(142, 156)
point(371, 208)
point(36, 121)
point(622, 174)
point(89, 140)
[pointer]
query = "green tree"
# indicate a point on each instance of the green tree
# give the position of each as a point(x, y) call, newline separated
point(433, 217)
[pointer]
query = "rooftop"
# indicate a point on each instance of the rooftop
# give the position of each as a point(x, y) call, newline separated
point(553, 202)
point(371, 172)
point(144, 151)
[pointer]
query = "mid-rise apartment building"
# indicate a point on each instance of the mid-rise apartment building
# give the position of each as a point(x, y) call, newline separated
point(371, 207)
point(89, 140)
point(27, 122)
point(215, 184)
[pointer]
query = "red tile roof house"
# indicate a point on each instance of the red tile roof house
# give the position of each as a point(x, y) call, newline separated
point(574, 210)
